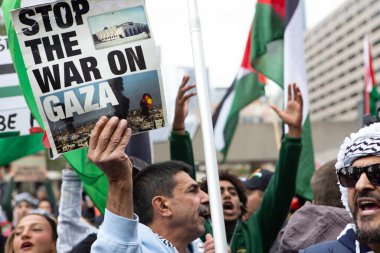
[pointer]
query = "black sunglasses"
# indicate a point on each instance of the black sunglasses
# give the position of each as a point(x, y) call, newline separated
point(349, 176)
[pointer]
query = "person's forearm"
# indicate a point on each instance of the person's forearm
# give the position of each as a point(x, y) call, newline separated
point(279, 193)
point(70, 229)
point(50, 193)
point(120, 200)
point(6, 201)
point(295, 132)
point(178, 125)
point(181, 149)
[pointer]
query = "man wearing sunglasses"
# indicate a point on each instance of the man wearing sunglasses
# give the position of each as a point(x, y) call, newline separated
point(358, 170)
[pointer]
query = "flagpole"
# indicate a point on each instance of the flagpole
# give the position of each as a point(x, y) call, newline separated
point(366, 71)
point(207, 132)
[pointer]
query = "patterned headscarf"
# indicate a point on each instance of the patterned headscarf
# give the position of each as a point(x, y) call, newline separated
point(366, 142)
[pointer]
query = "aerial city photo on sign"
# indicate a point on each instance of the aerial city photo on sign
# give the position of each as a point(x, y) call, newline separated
point(135, 98)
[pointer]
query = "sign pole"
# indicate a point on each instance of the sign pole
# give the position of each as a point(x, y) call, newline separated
point(212, 173)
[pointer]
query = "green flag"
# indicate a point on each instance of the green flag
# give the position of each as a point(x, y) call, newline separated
point(15, 147)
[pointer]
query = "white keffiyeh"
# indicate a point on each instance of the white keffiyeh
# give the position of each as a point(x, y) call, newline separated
point(363, 143)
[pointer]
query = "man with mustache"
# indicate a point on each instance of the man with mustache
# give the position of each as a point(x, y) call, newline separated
point(358, 170)
point(161, 210)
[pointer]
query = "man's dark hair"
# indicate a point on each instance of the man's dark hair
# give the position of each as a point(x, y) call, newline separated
point(155, 180)
point(225, 175)
point(324, 185)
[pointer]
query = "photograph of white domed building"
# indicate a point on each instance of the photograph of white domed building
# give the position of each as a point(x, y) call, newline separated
point(128, 29)
point(115, 28)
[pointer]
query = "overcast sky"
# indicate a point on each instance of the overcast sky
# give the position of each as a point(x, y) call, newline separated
point(317, 10)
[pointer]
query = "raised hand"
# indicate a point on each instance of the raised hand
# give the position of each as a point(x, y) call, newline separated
point(182, 104)
point(292, 115)
point(108, 141)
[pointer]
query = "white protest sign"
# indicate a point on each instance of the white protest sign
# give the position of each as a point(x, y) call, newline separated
point(86, 59)
point(14, 113)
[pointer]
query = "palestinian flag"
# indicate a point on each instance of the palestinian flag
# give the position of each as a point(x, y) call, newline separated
point(247, 86)
point(278, 53)
point(94, 181)
point(275, 50)
point(371, 95)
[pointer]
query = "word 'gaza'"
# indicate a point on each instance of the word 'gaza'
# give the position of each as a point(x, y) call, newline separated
point(57, 108)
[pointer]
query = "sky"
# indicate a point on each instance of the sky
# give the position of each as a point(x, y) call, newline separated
point(317, 10)
point(224, 27)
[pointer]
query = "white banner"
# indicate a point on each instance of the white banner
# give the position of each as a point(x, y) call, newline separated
point(14, 112)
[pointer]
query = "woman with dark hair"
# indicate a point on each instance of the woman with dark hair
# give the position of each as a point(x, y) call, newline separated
point(36, 232)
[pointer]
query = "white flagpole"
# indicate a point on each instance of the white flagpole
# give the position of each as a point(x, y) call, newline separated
point(216, 207)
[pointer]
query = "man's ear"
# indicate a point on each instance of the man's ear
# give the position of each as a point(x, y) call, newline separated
point(161, 206)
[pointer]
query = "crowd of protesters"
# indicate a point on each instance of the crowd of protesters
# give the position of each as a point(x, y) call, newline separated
point(161, 207)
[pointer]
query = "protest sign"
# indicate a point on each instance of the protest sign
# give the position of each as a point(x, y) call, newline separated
point(15, 117)
point(30, 168)
point(86, 59)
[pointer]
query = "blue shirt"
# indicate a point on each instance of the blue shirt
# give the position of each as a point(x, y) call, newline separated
point(122, 235)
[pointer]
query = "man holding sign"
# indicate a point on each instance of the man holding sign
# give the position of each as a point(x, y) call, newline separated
point(168, 202)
